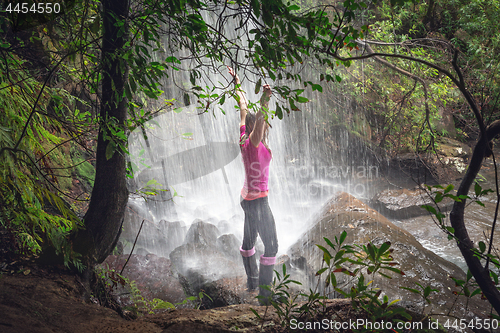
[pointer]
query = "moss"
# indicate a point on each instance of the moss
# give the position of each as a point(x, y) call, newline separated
point(60, 162)
point(84, 170)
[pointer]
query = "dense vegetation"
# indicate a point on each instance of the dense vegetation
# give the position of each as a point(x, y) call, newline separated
point(73, 88)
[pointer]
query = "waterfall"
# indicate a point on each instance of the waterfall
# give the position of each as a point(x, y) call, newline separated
point(195, 156)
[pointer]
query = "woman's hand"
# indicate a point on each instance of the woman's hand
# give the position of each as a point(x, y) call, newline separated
point(234, 75)
point(267, 90)
point(266, 95)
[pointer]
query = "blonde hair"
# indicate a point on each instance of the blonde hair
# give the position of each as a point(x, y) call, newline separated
point(249, 124)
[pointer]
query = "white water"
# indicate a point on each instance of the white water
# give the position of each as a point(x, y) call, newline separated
point(312, 156)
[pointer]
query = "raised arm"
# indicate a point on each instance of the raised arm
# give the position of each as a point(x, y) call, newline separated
point(260, 122)
point(242, 101)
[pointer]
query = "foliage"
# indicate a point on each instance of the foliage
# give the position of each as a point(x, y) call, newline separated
point(357, 262)
point(439, 192)
point(271, 39)
point(366, 259)
point(30, 135)
point(115, 282)
point(424, 292)
point(483, 250)
point(283, 302)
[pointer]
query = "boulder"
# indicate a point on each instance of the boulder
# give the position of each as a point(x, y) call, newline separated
point(202, 233)
point(224, 226)
point(153, 275)
point(224, 292)
point(229, 245)
point(363, 225)
point(198, 265)
point(446, 165)
point(174, 233)
point(150, 239)
point(452, 148)
point(404, 203)
point(134, 215)
point(412, 168)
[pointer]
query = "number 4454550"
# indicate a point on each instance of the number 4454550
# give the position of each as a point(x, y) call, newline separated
point(39, 8)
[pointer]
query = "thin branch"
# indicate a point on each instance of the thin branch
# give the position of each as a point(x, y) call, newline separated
point(133, 246)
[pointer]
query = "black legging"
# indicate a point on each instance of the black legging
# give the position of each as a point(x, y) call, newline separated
point(259, 220)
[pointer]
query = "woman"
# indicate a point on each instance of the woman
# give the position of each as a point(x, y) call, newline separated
point(259, 219)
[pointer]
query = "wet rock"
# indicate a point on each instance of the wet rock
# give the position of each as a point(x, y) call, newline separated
point(223, 292)
point(224, 226)
point(283, 260)
point(363, 224)
point(151, 239)
point(153, 275)
point(134, 215)
point(141, 251)
point(404, 203)
point(174, 233)
point(202, 233)
point(412, 166)
point(229, 245)
point(200, 266)
point(234, 225)
point(202, 212)
point(201, 263)
point(452, 148)
point(447, 164)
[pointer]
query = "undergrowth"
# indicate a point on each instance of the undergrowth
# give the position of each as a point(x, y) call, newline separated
point(360, 264)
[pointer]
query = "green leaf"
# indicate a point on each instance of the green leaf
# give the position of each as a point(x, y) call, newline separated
point(475, 292)
point(384, 247)
point(482, 246)
point(279, 112)
point(173, 59)
point(430, 209)
point(371, 251)
point(255, 313)
point(151, 182)
point(329, 243)
point(110, 149)
point(477, 189)
point(222, 99)
point(326, 255)
point(415, 291)
point(439, 197)
point(339, 255)
point(333, 279)
point(317, 87)
point(342, 237)
point(256, 7)
point(257, 86)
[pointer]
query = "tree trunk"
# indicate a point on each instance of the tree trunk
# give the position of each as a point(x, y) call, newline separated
point(104, 218)
point(480, 273)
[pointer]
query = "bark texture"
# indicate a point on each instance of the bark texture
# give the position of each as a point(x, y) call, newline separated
point(480, 273)
point(104, 217)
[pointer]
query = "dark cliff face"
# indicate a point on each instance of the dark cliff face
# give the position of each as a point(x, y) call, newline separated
point(363, 224)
